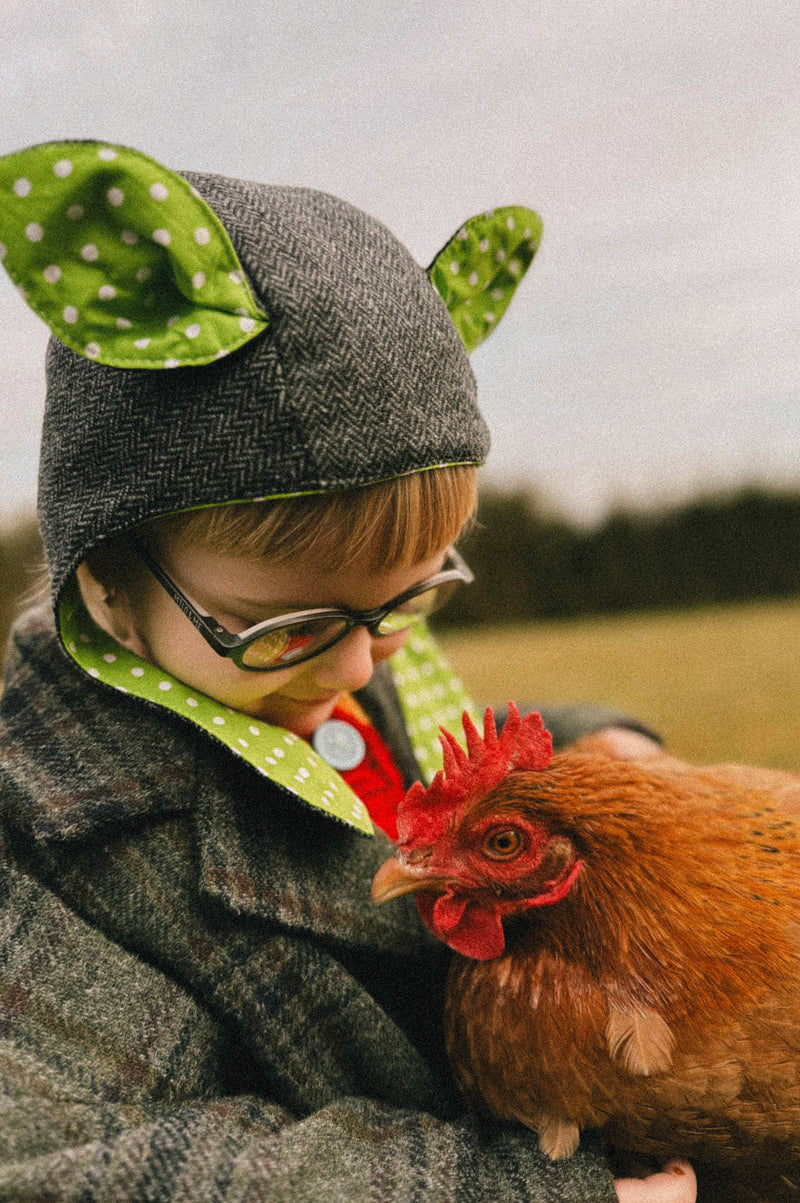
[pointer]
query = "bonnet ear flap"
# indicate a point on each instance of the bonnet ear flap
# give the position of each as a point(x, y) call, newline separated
point(477, 272)
point(122, 258)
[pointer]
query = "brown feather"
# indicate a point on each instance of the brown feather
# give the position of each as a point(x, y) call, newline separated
point(640, 1041)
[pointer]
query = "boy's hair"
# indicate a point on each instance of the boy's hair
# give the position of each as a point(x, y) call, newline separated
point(388, 525)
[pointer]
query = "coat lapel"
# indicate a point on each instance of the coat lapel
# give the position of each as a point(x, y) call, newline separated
point(274, 753)
point(429, 696)
point(86, 763)
point(79, 762)
point(266, 855)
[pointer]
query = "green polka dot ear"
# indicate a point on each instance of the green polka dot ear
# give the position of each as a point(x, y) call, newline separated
point(477, 273)
point(124, 261)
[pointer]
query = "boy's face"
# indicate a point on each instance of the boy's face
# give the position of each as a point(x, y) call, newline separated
point(241, 592)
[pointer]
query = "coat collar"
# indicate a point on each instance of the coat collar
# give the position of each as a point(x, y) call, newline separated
point(77, 762)
point(265, 855)
point(80, 764)
point(429, 695)
point(87, 759)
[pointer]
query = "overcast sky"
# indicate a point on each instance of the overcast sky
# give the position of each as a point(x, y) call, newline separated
point(653, 350)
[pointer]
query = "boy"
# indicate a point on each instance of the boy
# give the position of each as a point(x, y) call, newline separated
point(259, 448)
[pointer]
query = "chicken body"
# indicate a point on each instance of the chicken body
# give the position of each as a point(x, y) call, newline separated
point(658, 996)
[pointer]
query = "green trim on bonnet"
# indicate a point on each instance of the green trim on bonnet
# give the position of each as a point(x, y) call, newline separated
point(121, 257)
point(477, 272)
point(429, 694)
point(323, 491)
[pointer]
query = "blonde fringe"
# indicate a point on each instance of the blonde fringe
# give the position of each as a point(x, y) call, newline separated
point(388, 525)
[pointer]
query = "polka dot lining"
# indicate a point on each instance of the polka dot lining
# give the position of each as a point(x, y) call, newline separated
point(478, 271)
point(124, 247)
point(272, 752)
point(429, 694)
point(431, 697)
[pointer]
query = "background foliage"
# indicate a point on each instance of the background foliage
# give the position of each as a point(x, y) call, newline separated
point(21, 569)
point(532, 564)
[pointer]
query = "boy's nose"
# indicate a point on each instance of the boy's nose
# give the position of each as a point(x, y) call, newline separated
point(348, 665)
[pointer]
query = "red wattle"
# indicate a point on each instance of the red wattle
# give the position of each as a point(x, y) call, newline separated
point(465, 926)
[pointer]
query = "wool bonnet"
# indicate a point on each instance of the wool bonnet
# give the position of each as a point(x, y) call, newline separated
point(218, 340)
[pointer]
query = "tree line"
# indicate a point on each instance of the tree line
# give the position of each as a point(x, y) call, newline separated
point(530, 563)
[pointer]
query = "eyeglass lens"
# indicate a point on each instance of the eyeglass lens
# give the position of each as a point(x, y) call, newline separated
point(285, 645)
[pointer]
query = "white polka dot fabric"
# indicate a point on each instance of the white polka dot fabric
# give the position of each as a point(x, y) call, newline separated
point(121, 257)
point(478, 271)
point(429, 695)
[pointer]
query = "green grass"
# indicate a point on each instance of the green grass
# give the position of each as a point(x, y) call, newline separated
point(719, 683)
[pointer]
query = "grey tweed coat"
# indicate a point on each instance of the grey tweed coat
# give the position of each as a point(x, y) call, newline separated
point(197, 1001)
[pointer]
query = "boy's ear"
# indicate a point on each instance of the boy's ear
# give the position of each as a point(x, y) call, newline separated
point(111, 610)
point(121, 257)
point(477, 272)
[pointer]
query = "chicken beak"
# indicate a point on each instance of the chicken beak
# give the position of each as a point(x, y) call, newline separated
point(394, 879)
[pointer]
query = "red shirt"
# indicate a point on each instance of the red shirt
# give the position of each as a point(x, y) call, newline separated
point(376, 780)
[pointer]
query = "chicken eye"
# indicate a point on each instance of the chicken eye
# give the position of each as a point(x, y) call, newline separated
point(503, 844)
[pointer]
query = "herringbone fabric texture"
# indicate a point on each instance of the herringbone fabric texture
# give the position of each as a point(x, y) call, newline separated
point(360, 376)
point(197, 1001)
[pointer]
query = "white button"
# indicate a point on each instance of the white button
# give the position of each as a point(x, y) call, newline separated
point(339, 744)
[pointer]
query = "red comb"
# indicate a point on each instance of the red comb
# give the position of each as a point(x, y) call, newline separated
point(524, 743)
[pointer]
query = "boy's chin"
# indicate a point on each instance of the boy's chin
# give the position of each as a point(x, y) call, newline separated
point(301, 718)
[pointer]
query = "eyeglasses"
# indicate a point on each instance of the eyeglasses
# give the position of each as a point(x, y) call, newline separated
point(290, 639)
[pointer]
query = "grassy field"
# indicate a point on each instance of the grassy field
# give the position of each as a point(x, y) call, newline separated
point(719, 683)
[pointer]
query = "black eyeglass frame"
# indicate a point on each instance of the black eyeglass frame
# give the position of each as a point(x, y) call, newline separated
point(233, 647)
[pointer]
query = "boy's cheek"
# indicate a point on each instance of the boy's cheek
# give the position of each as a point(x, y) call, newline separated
point(179, 650)
point(382, 649)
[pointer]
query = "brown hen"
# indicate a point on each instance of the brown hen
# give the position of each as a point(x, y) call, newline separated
point(628, 940)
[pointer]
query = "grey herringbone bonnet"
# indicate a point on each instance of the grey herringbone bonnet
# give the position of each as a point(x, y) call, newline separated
point(361, 375)
point(219, 340)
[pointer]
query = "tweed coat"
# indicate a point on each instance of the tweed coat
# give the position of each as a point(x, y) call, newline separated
point(197, 1000)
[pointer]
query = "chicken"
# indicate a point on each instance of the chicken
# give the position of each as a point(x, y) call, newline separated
point(628, 944)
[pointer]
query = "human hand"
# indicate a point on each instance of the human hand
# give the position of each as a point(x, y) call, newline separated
point(620, 743)
point(675, 1184)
